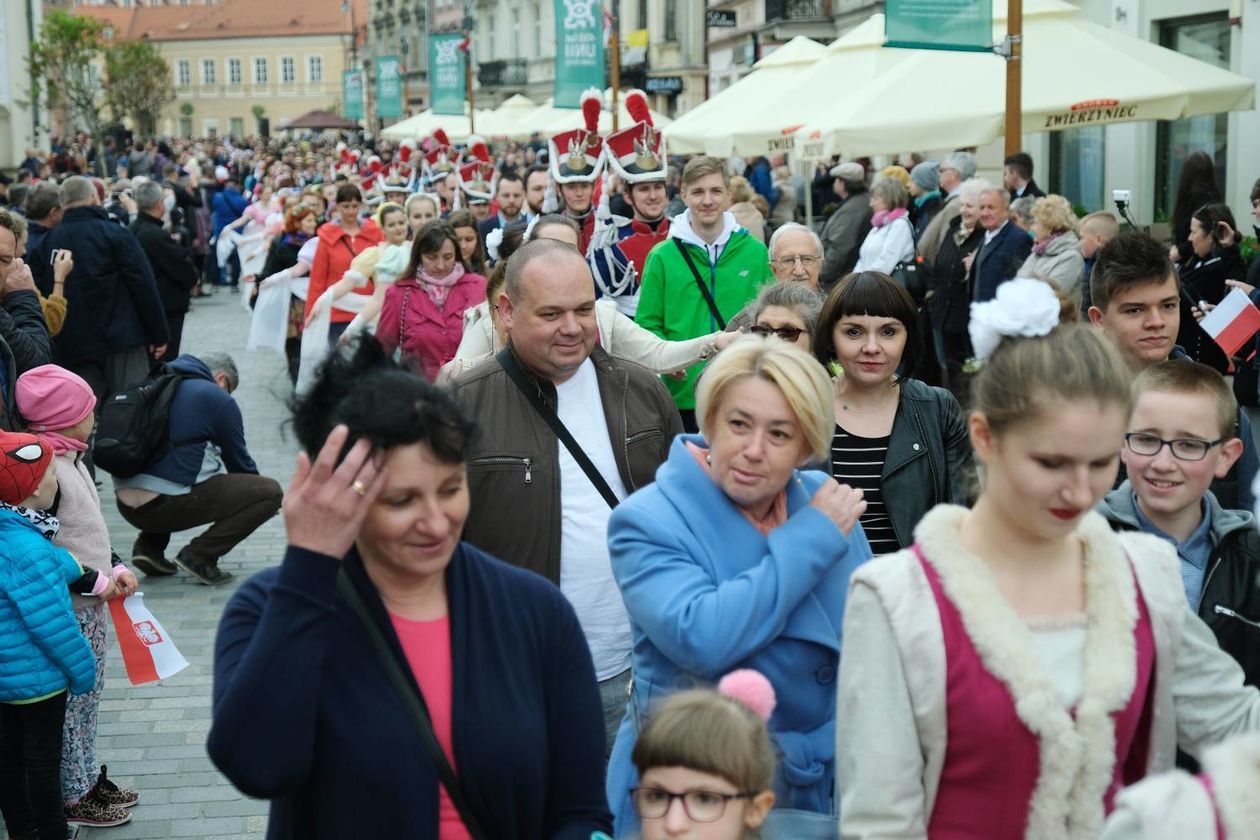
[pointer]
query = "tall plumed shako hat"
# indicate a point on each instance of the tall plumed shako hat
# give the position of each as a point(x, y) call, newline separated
point(477, 177)
point(577, 155)
point(634, 153)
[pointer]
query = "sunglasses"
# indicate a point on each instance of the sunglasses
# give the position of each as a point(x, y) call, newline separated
point(789, 334)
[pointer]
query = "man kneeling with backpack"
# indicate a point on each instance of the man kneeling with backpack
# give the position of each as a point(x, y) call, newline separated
point(182, 483)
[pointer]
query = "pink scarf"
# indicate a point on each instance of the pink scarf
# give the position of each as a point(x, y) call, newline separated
point(62, 444)
point(884, 217)
point(437, 288)
point(1039, 248)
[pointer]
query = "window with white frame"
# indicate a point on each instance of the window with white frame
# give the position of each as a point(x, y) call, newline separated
point(183, 72)
point(234, 72)
point(260, 70)
point(314, 69)
point(288, 70)
point(208, 74)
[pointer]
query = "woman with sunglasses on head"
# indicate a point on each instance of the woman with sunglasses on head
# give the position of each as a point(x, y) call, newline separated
point(904, 443)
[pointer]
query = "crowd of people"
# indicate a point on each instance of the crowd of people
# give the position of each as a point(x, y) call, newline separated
point(632, 502)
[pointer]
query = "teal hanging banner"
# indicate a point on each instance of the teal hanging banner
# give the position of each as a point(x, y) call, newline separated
point(965, 25)
point(389, 86)
point(352, 94)
point(579, 50)
point(446, 73)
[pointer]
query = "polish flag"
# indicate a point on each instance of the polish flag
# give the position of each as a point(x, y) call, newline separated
point(147, 650)
point(1233, 322)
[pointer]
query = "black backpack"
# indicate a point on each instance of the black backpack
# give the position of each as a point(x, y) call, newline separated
point(133, 426)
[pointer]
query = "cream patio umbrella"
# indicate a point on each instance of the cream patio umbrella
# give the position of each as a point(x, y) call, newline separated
point(1076, 73)
point(422, 125)
point(706, 128)
point(510, 119)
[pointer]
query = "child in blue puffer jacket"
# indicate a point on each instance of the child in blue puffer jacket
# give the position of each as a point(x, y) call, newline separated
point(42, 652)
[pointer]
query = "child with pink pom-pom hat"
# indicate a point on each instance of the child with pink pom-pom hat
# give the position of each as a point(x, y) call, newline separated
point(706, 763)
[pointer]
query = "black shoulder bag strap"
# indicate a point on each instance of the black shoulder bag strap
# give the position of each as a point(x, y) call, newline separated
point(530, 392)
point(414, 703)
point(704, 289)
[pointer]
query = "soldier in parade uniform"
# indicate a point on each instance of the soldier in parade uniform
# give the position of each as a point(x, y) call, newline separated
point(577, 159)
point(477, 177)
point(620, 245)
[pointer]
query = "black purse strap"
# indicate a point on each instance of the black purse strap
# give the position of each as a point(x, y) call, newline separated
point(704, 289)
point(530, 391)
point(413, 701)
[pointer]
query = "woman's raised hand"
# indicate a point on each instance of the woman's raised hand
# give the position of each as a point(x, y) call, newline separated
point(841, 504)
point(327, 502)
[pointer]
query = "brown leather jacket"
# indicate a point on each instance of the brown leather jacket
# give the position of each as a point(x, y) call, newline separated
point(513, 471)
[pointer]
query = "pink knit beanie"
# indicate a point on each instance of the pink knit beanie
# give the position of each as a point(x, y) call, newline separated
point(52, 398)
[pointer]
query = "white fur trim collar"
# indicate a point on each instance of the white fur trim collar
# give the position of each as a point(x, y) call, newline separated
point(1077, 757)
point(1234, 767)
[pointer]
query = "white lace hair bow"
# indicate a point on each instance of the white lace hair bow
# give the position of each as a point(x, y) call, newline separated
point(1023, 307)
point(493, 240)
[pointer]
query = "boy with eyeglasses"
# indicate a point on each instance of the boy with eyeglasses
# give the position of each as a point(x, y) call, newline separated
point(1182, 436)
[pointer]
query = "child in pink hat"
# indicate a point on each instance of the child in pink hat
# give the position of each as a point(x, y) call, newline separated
point(60, 406)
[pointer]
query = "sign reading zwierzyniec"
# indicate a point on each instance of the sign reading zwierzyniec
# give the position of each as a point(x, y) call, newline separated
point(579, 50)
point(446, 73)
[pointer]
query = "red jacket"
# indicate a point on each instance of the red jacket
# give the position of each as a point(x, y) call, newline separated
point(332, 259)
point(431, 334)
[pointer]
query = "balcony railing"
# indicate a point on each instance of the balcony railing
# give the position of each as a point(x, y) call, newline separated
point(795, 10)
point(510, 72)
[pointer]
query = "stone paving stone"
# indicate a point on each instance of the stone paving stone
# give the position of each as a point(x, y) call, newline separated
point(153, 737)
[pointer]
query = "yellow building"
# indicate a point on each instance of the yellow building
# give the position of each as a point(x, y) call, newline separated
point(229, 60)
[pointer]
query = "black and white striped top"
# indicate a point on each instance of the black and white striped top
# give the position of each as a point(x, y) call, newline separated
point(859, 462)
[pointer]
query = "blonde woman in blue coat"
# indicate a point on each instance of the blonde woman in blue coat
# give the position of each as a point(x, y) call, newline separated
point(737, 558)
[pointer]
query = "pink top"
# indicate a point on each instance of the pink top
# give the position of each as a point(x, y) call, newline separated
point(427, 645)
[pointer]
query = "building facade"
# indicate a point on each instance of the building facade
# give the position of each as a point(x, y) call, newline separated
point(18, 117)
point(239, 66)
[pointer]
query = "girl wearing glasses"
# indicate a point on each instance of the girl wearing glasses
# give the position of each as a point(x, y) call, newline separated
point(1008, 674)
point(904, 443)
point(706, 763)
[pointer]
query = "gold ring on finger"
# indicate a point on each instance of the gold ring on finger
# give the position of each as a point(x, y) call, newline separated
point(359, 487)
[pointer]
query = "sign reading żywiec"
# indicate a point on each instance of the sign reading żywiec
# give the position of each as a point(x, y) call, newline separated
point(389, 87)
point(965, 25)
point(446, 72)
point(579, 50)
point(352, 94)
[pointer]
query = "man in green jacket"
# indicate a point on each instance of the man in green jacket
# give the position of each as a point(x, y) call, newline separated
point(706, 247)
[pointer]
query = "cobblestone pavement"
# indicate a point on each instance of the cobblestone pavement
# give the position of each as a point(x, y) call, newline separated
point(153, 737)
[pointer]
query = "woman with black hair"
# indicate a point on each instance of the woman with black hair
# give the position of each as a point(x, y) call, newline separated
point(902, 442)
point(387, 679)
point(1196, 186)
point(1215, 256)
point(423, 313)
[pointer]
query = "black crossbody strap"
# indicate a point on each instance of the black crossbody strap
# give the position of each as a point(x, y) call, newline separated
point(414, 703)
point(530, 392)
point(704, 289)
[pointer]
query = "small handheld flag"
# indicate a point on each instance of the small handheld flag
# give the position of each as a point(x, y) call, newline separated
point(1233, 322)
point(147, 650)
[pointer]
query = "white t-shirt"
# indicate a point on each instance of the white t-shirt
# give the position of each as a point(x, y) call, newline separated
point(586, 577)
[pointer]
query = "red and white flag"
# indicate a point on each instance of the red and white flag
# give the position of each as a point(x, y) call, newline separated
point(147, 650)
point(1233, 322)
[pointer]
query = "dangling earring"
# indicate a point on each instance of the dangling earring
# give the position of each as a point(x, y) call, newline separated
point(708, 459)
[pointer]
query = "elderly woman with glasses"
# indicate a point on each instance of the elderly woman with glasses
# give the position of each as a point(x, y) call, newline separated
point(738, 557)
point(902, 441)
point(788, 311)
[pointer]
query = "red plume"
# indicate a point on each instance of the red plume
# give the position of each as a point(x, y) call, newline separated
point(405, 149)
point(637, 106)
point(440, 136)
point(592, 103)
point(355, 154)
point(478, 148)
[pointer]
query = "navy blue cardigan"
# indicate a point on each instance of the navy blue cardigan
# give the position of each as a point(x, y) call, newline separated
point(304, 714)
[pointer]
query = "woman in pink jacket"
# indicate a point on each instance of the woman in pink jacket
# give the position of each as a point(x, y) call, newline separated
point(423, 313)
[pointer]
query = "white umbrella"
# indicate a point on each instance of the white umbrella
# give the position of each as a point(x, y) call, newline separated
point(423, 124)
point(548, 119)
point(1076, 73)
point(509, 120)
point(707, 128)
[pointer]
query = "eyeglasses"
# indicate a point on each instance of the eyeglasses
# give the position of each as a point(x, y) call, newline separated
point(786, 333)
point(806, 261)
point(702, 806)
point(1183, 449)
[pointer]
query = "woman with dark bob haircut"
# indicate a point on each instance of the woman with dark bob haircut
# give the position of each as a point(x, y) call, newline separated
point(380, 617)
point(903, 442)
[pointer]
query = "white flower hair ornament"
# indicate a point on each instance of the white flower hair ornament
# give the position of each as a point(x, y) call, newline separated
point(1023, 307)
point(493, 240)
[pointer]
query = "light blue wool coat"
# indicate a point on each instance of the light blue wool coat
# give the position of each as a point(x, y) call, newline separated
point(708, 594)
point(41, 649)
